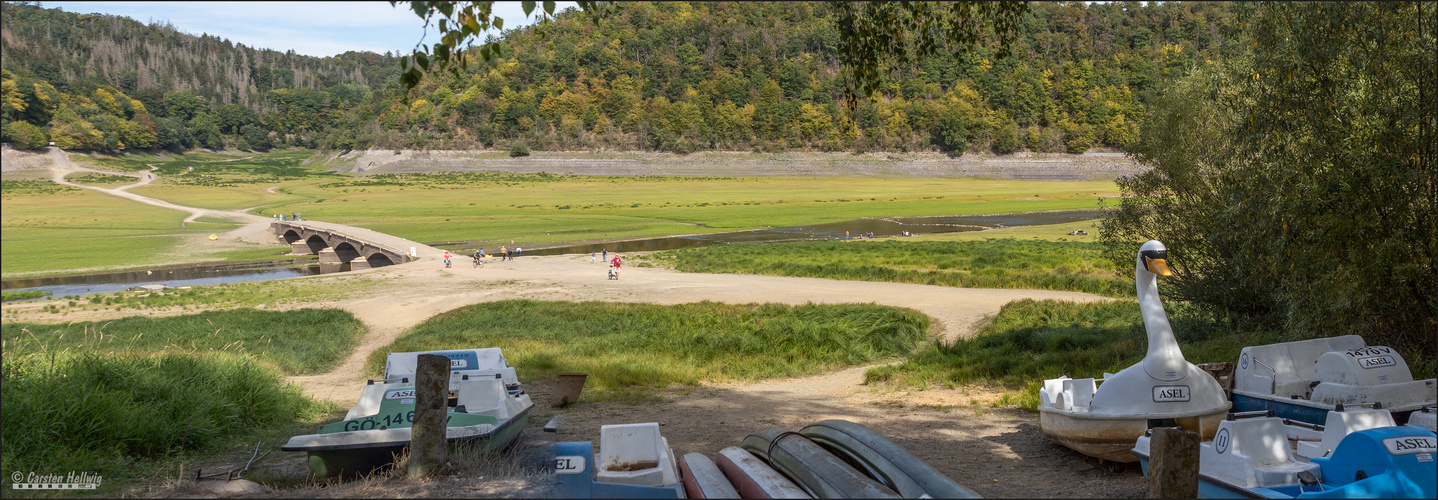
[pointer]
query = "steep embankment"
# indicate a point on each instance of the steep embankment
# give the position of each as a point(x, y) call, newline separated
point(1093, 165)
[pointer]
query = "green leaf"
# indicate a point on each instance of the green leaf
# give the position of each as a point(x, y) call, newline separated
point(498, 24)
point(549, 7)
point(422, 60)
point(528, 7)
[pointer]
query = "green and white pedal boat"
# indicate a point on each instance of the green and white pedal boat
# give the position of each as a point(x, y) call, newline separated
point(486, 408)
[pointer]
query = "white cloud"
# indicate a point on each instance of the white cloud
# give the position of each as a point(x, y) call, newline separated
point(310, 28)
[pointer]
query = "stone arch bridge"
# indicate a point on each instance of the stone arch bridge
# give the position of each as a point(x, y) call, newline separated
point(336, 246)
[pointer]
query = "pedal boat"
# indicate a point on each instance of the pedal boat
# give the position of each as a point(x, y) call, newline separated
point(1306, 379)
point(1164, 389)
point(484, 410)
point(1362, 455)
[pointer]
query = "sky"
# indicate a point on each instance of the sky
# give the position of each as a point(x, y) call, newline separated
point(311, 28)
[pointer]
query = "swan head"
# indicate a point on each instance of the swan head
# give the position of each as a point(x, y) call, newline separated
point(1153, 258)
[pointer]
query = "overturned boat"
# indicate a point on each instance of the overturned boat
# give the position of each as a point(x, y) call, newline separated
point(1306, 379)
point(1102, 417)
point(486, 408)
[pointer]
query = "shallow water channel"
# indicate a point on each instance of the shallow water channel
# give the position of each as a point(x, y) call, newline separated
point(85, 284)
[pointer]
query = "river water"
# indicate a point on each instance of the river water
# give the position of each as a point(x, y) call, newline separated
point(85, 284)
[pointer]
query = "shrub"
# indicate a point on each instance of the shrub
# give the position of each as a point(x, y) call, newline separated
point(23, 135)
point(518, 149)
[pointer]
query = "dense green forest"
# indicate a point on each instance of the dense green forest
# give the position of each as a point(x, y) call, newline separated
point(668, 76)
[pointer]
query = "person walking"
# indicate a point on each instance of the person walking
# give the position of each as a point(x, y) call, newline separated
point(518, 251)
point(446, 258)
point(503, 254)
point(592, 255)
point(606, 254)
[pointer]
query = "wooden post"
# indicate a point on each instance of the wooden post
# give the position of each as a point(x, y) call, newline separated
point(1173, 463)
point(428, 448)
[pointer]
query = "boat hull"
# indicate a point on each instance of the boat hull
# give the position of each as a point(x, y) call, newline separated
point(360, 459)
point(884, 460)
point(1112, 438)
point(1303, 410)
point(1209, 487)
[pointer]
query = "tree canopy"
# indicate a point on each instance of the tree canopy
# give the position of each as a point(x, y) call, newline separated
point(1296, 185)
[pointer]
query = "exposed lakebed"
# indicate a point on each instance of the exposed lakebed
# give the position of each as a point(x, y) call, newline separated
point(210, 274)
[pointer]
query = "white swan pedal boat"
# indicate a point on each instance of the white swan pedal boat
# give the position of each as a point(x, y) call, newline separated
point(1101, 418)
point(486, 408)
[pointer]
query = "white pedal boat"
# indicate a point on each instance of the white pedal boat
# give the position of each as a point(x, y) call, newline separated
point(485, 409)
point(1164, 389)
point(1303, 380)
point(1359, 453)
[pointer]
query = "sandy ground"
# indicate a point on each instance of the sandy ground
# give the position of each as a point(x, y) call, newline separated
point(996, 452)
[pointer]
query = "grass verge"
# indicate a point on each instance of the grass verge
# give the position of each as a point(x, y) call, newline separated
point(297, 342)
point(123, 417)
point(629, 348)
point(22, 295)
point(991, 263)
point(1030, 341)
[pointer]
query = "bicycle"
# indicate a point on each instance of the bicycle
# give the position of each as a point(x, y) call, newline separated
point(478, 263)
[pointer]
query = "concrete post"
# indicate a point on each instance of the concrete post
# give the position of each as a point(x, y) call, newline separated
point(428, 448)
point(301, 247)
point(1173, 463)
point(359, 263)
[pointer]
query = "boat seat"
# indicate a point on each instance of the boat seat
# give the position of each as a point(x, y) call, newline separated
point(1052, 395)
point(635, 454)
point(1294, 365)
point(1256, 454)
point(485, 396)
point(369, 401)
point(1079, 392)
point(1342, 423)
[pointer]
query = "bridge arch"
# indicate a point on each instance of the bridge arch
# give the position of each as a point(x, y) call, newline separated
point(379, 260)
point(291, 236)
point(316, 243)
point(346, 252)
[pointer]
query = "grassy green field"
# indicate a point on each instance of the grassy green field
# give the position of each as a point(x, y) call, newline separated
point(628, 349)
point(75, 229)
point(468, 210)
point(131, 398)
point(298, 342)
point(102, 180)
point(224, 181)
point(139, 419)
point(989, 263)
point(492, 208)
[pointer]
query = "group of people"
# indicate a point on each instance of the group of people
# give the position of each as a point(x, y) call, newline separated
point(861, 236)
point(283, 217)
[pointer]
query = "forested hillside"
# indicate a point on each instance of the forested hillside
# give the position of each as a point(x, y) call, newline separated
point(670, 76)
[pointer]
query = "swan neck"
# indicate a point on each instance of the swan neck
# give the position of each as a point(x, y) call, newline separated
point(1164, 360)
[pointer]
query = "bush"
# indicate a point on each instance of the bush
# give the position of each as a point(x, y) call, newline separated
point(23, 135)
point(1006, 139)
point(518, 149)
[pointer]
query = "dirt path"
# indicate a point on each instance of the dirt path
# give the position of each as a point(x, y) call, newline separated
point(254, 230)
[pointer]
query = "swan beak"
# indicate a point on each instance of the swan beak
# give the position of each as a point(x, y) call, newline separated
point(1159, 267)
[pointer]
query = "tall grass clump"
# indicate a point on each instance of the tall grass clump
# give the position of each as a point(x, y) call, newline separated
point(623, 346)
point(107, 413)
point(992, 263)
point(297, 342)
point(1032, 340)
